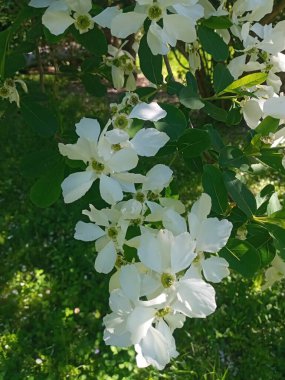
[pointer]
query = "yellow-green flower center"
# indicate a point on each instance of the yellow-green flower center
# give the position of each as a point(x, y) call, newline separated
point(83, 22)
point(9, 83)
point(134, 100)
point(4, 92)
point(167, 280)
point(116, 147)
point(140, 197)
point(112, 233)
point(121, 122)
point(163, 312)
point(98, 166)
point(154, 12)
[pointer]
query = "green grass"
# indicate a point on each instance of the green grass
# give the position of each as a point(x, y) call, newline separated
point(53, 301)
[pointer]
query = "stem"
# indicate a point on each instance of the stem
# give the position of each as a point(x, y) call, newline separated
point(168, 67)
point(178, 60)
point(277, 11)
point(215, 97)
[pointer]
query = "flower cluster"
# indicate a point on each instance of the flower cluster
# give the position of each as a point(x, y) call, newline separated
point(8, 90)
point(163, 257)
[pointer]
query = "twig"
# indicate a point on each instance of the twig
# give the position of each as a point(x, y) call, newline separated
point(179, 61)
point(277, 10)
point(168, 67)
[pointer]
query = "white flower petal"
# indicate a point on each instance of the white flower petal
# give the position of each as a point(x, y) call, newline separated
point(76, 185)
point(110, 190)
point(275, 107)
point(199, 212)
point(106, 258)
point(139, 322)
point(88, 128)
point(123, 160)
point(88, 231)
point(215, 269)
point(182, 252)
point(119, 302)
point(40, 3)
point(196, 298)
point(105, 18)
point(213, 235)
point(157, 178)
point(180, 27)
point(80, 6)
point(130, 282)
point(174, 222)
point(125, 24)
point(149, 252)
point(57, 21)
point(157, 39)
point(147, 142)
point(145, 111)
point(118, 77)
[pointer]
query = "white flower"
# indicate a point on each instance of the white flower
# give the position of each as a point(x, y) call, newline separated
point(9, 90)
point(109, 241)
point(168, 255)
point(122, 64)
point(275, 107)
point(251, 10)
point(275, 273)
point(178, 26)
point(57, 18)
point(103, 162)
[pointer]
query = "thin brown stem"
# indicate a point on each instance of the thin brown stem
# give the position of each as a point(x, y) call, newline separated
point(41, 69)
point(168, 67)
point(277, 10)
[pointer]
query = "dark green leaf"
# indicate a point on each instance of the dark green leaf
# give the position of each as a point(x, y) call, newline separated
point(94, 41)
point(272, 158)
point(241, 256)
point(234, 116)
point(41, 119)
point(216, 140)
point(231, 156)
point(93, 84)
point(193, 142)
point(215, 112)
point(174, 124)
point(47, 189)
point(37, 163)
point(240, 194)
point(217, 22)
point(190, 100)
point(213, 44)
point(259, 237)
point(221, 77)
point(213, 185)
point(151, 65)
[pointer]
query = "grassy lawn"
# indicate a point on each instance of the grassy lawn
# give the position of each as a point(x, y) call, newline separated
point(53, 301)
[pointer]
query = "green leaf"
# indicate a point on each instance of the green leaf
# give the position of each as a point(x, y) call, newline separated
point(231, 156)
point(41, 119)
point(193, 142)
point(222, 78)
point(190, 100)
point(215, 112)
point(240, 194)
point(213, 185)
point(260, 238)
point(234, 116)
point(213, 44)
point(94, 41)
point(268, 125)
point(47, 189)
point(216, 140)
point(14, 62)
point(272, 158)
point(173, 88)
point(93, 84)
point(151, 65)
point(247, 81)
point(242, 257)
point(174, 124)
point(217, 22)
point(37, 163)
point(278, 234)
point(4, 40)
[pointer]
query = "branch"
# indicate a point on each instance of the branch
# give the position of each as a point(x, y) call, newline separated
point(277, 10)
point(168, 67)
